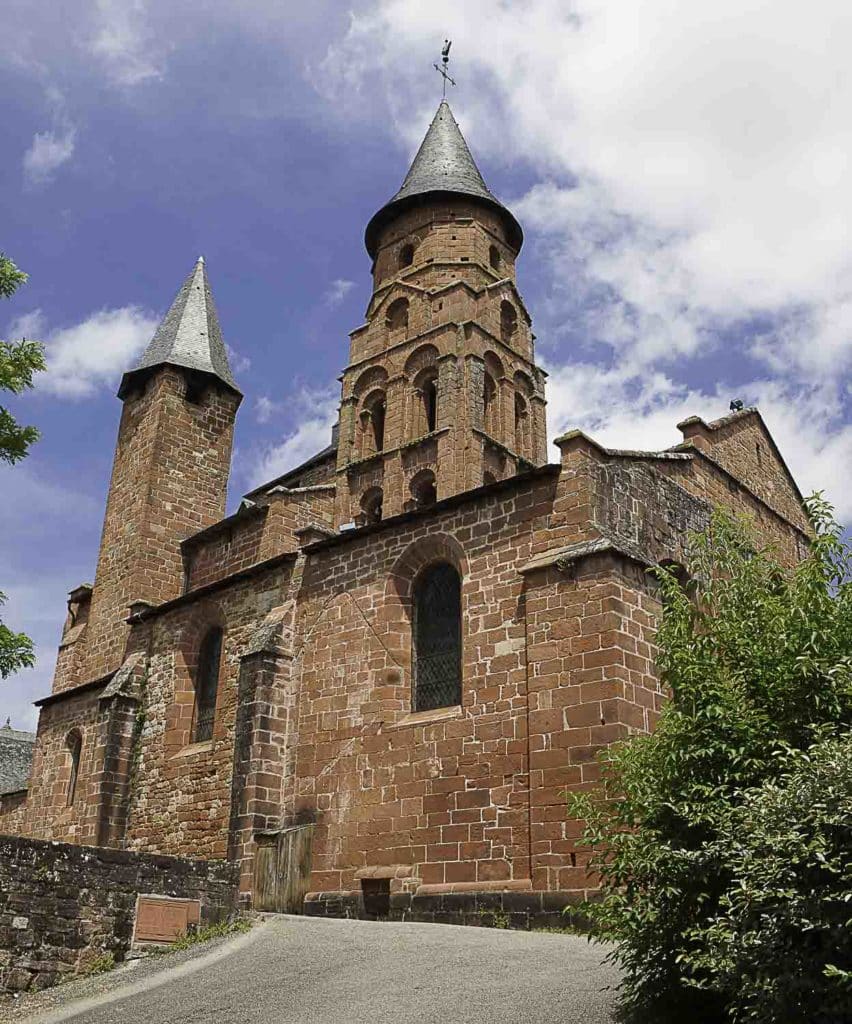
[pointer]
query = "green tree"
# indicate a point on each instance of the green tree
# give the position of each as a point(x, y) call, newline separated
point(758, 661)
point(19, 361)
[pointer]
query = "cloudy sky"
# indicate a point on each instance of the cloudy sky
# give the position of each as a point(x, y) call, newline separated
point(682, 171)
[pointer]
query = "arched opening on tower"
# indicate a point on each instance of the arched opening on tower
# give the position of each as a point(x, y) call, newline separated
point(373, 418)
point(426, 393)
point(396, 318)
point(494, 258)
point(423, 489)
point(489, 404)
point(406, 256)
point(371, 505)
point(521, 426)
point(508, 320)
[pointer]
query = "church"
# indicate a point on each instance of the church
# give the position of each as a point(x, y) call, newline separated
point(369, 688)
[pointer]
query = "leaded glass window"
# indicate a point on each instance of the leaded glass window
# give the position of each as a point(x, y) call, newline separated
point(437, 638)
point(207, 685)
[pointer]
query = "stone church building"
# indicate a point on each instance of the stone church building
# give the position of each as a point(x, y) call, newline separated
point(371, 685)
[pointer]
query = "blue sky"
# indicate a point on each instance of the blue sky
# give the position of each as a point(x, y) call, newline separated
point(683, 178)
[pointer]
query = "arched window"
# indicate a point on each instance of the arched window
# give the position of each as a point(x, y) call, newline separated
point(74, 743)
point(508, 320)
point(494, 257)
point(371, 505)
point(521, 425)
point(373, 423)
point(430, 402)
point(207, 685)
point(423, 489)
point(425, 418)
point(406, 256)
point(489, 403)
point(397, 315)
point(437, 637)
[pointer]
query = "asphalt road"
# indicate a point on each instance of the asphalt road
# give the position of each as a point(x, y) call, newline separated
point(317, 971)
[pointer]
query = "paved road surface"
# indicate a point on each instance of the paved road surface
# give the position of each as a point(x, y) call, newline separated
point(316, 971)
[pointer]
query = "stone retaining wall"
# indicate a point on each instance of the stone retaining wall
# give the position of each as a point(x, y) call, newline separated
point(63, 906)
point(524, 910)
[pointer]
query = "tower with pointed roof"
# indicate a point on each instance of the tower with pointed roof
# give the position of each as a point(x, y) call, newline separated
point(441, 393)
point(170, 470)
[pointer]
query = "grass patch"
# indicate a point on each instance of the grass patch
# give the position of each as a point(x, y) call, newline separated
point(99, 965)
point(211, 931)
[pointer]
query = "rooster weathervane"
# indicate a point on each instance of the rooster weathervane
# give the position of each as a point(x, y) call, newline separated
point(442, 67)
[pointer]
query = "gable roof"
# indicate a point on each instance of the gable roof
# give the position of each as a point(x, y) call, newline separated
point(16, 757)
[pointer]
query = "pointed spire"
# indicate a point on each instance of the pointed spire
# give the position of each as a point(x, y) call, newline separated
point(189, 335)
point(443, 164)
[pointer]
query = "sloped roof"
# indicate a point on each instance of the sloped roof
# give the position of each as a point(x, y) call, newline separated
point(443, 164)
point(189, 335)
point(16, 757)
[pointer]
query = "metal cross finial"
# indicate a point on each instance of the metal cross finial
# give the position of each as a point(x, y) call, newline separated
point(442, 67)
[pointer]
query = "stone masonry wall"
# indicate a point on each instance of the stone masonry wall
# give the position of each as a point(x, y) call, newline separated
point(62, 906)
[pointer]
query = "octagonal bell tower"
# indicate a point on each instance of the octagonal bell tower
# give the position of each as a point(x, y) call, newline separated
point(441, 393)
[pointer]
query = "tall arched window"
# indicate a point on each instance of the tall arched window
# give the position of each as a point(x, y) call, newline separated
point(489, 404)
point(494, 257)
point(74, 743)
point(430, 402)
point(521, 426)
point(373, 423)
point(207, 685)
point(406, 256)
point(437, 637)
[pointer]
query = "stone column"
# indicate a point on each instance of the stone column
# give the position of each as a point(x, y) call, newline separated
point(264, 747)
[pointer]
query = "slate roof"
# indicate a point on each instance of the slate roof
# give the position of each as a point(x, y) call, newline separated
point(189, 335)
point(443, 164)
point(16, 758)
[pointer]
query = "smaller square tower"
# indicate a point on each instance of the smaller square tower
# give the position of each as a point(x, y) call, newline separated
point(169, 474)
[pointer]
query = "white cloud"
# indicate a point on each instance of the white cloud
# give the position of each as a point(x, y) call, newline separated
point(238, 362)
point(52, 148)
point(265, 408)
point(337, 291)
point(124, 42)
point(48, 151)
point(85, 356)
point(313, 433)
point(693, 205)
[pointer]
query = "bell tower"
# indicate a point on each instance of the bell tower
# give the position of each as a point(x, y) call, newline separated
point(170, 471)
point(441, 393)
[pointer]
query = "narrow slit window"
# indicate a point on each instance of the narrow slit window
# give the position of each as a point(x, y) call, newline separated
point(75, 749)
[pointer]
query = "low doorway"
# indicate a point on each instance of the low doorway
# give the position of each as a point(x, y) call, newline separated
point(282, 869)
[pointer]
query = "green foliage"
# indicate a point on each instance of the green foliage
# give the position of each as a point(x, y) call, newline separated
point(16, 649)
point(758, 660)
point(212, 931)
point(19, 361)
point(99, 965)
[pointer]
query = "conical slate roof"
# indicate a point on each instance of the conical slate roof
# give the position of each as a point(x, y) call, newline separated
point(443, 164)
point(189, 335)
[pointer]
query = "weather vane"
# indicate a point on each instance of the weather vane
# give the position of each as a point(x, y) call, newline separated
point(442, 67)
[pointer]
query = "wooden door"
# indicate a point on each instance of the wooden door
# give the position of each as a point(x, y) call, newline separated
point(282, 869)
